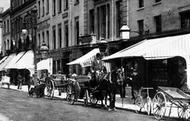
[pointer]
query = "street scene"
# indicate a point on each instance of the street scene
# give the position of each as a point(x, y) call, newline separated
point(94, 60)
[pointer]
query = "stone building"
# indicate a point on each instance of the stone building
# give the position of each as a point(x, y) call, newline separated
point(22, 17)
point(7, 46)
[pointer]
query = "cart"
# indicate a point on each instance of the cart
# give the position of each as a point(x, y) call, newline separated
point(57, 82)
point(168, 98)
point(76, 89)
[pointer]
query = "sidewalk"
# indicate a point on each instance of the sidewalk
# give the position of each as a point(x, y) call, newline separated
point(126, 104)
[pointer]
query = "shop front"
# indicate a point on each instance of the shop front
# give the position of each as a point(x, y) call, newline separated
point(161, 61)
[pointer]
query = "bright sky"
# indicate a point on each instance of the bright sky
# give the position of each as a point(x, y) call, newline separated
point(5, 4)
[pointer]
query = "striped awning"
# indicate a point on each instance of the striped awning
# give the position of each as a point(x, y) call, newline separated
point(86, 59)
point(159, 48)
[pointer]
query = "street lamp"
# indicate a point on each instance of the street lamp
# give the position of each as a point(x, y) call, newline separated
point(44, 50)
point(124, 31)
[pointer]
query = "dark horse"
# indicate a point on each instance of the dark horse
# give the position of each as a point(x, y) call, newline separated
point(100, 89)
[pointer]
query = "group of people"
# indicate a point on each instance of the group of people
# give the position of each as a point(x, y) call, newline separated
point(119, 77)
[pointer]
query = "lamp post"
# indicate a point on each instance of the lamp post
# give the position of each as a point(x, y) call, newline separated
point(34, 30)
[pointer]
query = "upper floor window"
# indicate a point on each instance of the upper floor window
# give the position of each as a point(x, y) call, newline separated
point(158, 23)
point(54, 7)
point(54, 36)
point(66, 33)
point(141, 3)
point(59, 6)
point(185, 19)
point(38, 8)
point(47, 6)
point(60, 35)
point(77, 30)
point(66, 4)
point(157, 1)
point(76, 2)
point(47, 37)
point(141, 26)
point(91, 16)
point(43, 8)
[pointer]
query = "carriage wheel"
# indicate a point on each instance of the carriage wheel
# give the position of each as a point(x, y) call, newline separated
point(139, 102)
point(70, 95)
point(148, 106)
point(49, 90)
point(184, 112)
point(93, 100)
point(159, 102)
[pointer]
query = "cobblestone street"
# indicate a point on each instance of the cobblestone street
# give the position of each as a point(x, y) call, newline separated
point(17, 106)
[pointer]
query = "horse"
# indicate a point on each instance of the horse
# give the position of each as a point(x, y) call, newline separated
point(101, 88)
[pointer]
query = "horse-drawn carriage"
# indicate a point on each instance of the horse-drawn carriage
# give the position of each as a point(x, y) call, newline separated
point(82, 87)
point(56, 82)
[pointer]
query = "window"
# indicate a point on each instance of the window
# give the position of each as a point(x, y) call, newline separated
point(66, 30)
point(43, 37)
point(185, 20)
point(54, 7)
point(141, 26)
point(103, 21)
point(91, 12)
point(76, 2)
point(141, 3)
point(47, 6)
point(77, 30)
point(66, 4)
point(54, 36)
point(59, 6)
point(39, 40)
point(47, 36)
point(157, 1)
point(38, 9)
point(59, 35)
point(158, 23)
point(118, 19)
point(43, 8)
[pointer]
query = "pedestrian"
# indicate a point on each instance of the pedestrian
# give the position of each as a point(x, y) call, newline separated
point(121, 82)
point(113, 89)
point(20, 81)
point(136, 84)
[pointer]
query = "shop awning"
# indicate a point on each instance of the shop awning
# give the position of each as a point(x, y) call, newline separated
point(45, 64)
point(3, 59)
point(6, 61)
point(159, 48)
point(26, 62)
point(86, 59)
point(12, 63)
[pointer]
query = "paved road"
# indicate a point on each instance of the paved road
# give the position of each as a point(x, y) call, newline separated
point(17, 106)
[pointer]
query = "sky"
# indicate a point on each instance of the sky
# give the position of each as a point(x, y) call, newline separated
point(5, 4)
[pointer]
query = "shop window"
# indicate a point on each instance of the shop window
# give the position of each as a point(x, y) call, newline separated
point(185, 19)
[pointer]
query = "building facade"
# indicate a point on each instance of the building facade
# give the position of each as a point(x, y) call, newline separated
point(7, 46)
point(22, 17)
point(158, 16)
